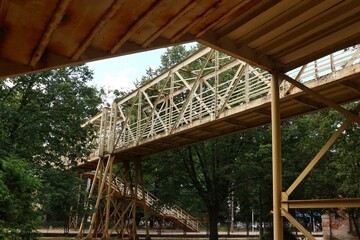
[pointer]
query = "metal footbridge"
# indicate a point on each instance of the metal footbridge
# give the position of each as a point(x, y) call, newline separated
point(210, 94)
point(207, 95)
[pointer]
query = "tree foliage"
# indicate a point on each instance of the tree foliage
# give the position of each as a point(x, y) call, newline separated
point(40, 137)
point(19, 188)
point(42, 114)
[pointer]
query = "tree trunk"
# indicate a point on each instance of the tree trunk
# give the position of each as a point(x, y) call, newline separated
point(355, 221)
point(213, 218)
point(261, 229)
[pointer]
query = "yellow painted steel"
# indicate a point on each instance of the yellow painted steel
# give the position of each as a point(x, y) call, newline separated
point(318, 156)
point(297, 224)
point(276, 157)
point(81, 228)
point(100, 192)
point(323, 203)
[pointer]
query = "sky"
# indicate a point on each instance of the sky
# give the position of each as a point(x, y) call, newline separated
point(121, 72)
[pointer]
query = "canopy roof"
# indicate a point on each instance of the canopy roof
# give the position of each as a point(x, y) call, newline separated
point(42, 34)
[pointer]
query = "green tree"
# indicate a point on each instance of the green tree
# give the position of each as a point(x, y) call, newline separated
point(18, 198)
point(348, 170)
point(42, 113)
point(59, 192)
point(41, 117)
point(337, 173)
point(210, 170)
point(173, 56)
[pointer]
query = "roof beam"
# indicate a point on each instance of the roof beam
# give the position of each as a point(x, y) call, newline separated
point(197, 20)
point(51, 59)
point(350, 41)
point(50, 28)
point(331, 33)
point(99, 25)
point(149, 12)
point(240, 7)
point(258, 9)
point(4, 6)
point(246, 54)
point(312, 25)
point(170, 23)
point(295, 12)
point(48, 60)
point(10, 68)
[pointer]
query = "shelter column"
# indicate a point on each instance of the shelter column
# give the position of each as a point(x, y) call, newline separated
point(276, 157)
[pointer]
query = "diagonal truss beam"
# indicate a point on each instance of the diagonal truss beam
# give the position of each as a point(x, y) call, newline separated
point(328, 102)
point(127, 118)
point(235, 81)
point(318, 156)
point(100, 192)
point(188, 86)
point(153, 106)
point(297, 224)
point(196, 84)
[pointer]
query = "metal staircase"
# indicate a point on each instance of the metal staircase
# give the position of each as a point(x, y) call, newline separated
point(172, 213)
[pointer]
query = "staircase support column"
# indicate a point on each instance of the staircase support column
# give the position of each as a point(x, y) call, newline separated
point(143, 200)
point(108, 202)
point(97, 172)
point(102, 181)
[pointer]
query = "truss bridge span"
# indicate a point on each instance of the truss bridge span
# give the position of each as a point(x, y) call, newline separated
point(210, 94)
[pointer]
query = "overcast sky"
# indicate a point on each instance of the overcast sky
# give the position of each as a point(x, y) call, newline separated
point(121, 72)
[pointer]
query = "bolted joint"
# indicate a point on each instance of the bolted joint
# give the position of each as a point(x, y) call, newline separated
point(284, 203)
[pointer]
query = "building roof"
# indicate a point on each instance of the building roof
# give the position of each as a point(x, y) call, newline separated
point(42, 34)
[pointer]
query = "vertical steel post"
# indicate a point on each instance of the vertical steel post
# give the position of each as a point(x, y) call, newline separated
point(147, 236)
point(216, 85)
point(247, 84)
point(135, 197)
point(276, 157)
point(108, 203)
point(102, 131)
point(101, 184)
point(138, 129)
point(98, 168)
point(112, 127)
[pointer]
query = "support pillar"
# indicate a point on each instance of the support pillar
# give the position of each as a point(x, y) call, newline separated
point(108, 203)
point(276, 157)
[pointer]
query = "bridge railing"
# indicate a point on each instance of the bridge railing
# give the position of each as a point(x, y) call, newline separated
point(151, 200)
point(201, 88)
